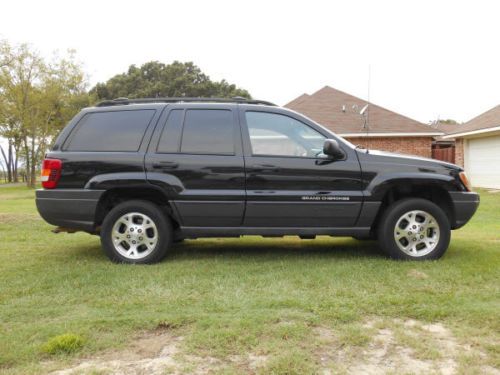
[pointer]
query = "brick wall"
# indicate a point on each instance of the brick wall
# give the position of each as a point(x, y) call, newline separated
point(421, 146)
point(459, 152)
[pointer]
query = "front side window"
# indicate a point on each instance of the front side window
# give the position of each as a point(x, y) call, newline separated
point(208, 131)
point(118, 131)
point(279, 135)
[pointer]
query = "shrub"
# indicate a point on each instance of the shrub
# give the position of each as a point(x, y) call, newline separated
point(67, 343)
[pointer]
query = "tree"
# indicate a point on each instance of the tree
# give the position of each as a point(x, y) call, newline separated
point(155, 79)
point(36, 100)
point(449, 121)
point(9, 129)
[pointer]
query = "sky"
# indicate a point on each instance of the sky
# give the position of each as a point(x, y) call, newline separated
point(427, 59)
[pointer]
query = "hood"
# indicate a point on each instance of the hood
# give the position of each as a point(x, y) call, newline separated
point(412, 160)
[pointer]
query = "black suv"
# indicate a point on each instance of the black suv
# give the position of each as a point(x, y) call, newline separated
point(146, 173)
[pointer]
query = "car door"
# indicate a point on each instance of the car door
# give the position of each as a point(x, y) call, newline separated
point(195, 157)
point(289, 182)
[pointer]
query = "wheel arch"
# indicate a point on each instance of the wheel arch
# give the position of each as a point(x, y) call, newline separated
point(147, 192)
point(436, 191)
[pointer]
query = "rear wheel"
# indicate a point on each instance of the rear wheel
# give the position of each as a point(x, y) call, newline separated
point(136, 232)
point(415, 229)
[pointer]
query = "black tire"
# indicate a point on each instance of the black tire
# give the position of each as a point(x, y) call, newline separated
point(177, 237)
point(153, 212)
point(387, 230)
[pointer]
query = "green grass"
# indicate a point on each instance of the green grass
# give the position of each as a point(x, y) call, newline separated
point(66, 343)
point(234, 296)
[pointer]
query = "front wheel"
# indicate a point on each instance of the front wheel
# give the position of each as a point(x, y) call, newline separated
point(136, 232)
point(414, 229)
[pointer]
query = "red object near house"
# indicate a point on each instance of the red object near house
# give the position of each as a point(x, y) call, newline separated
point(445, 154)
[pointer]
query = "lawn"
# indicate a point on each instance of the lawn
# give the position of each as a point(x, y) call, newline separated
point(248, 305)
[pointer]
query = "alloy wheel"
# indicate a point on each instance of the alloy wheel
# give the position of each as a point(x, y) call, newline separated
point(417, 233)
point(134, 235)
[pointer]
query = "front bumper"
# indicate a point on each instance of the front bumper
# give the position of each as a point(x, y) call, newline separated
point(69, 208)
point(465, 205)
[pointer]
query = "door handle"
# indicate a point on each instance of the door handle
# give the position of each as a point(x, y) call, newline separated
point(165, 165)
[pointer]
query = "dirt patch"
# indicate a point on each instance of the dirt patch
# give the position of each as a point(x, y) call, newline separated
point(14, 218)
point(152, 353)
point(159, 353)
point(403, 347)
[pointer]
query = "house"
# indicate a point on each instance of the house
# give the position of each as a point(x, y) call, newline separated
point(384, 129)
point(477, 148)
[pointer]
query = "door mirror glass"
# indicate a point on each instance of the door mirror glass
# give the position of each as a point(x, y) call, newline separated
point(331, 148)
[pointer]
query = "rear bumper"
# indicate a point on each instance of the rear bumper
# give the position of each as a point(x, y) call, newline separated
point(69, 208)
point(465, 205)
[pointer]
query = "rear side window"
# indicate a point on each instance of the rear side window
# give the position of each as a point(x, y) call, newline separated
point(169, 140)
point(110, 131)
point(208, 131)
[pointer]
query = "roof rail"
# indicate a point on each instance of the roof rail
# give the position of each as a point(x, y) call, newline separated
point(236, 99)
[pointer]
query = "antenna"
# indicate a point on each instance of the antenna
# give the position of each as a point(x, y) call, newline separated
point(366, 109)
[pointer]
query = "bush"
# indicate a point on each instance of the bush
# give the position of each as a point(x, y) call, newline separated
point(67, 343)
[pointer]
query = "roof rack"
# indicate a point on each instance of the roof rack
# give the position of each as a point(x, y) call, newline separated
point(236, 99)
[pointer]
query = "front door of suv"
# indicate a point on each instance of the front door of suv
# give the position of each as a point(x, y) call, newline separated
point(289, 182)
point(195, 156)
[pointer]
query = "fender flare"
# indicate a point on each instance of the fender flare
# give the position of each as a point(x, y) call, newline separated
point(381, 184)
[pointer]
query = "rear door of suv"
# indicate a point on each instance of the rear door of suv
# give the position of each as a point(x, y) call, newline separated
point(195, 156)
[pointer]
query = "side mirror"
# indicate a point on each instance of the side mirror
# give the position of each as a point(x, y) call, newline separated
point(331, 148)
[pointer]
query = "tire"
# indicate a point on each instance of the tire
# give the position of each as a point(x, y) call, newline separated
point(144, 230)
point(414, 229)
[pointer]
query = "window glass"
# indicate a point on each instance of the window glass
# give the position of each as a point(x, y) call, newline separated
point(110, 131)
point(171, 134)
point(275, 134)
point(208, 131)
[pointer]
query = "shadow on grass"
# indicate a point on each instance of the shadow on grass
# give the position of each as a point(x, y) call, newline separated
point(256, 249)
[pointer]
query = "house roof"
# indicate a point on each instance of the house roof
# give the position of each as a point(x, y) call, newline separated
point(487, 122)
point(446, 128)
point(298, 100)
point(339, 112)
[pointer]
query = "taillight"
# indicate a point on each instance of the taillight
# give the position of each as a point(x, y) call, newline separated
point(51, 172)
point(465, 181)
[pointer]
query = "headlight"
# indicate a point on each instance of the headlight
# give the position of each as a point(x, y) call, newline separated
point(465, 181)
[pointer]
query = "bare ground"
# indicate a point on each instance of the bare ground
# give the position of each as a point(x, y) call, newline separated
point(158, 353)
point(397, 347)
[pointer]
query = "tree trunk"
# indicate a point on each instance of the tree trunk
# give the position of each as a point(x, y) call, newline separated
point(28, 163)
point(33, 175)
point(11, 162)
point(7, 164)
point(3, 172)
point(15, 174)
